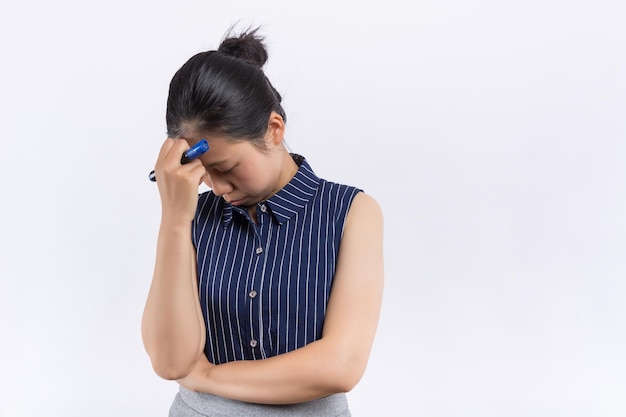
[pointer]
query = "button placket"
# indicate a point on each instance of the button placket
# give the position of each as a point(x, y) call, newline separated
point(253, 294)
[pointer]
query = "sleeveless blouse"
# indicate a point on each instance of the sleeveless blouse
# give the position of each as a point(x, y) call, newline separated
point(264, 287)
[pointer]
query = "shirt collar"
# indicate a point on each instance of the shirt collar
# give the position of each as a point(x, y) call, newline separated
point(291, 199)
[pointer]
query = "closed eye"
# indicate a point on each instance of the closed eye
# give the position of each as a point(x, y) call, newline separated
point(225, 171)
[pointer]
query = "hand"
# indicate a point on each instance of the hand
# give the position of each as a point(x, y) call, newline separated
point(194, 381)
point(178, 184)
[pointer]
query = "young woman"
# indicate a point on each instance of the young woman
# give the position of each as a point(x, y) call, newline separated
point(267, 289)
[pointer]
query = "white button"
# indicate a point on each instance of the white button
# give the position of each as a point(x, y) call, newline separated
point(263, 208)
point(253, 343)
point(259, 250)
point(252, 294)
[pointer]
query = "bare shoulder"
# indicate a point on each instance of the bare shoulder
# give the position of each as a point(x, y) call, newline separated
point(365, 209)
point(364, 224)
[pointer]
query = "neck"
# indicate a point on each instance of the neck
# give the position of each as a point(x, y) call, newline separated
point(288, 169)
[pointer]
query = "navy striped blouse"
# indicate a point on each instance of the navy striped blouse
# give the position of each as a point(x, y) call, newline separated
point(264, 287)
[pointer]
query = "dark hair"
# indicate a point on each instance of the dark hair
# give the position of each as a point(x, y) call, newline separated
point(224, 91)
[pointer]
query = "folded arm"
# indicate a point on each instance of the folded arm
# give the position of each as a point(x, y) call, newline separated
point(337, 361)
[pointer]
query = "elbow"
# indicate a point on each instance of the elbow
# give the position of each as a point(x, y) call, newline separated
point(171, 366)
point(170, 375)
point(169, 361)
point(347, 373)
point(347, 380)
point(171, 371)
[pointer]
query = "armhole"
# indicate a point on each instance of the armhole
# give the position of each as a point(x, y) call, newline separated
point(350, 199)
point(194, 223)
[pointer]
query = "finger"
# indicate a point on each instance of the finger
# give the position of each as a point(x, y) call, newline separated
point(165, 148)
point(175, 153)
point(170, 150)
point(194, 169)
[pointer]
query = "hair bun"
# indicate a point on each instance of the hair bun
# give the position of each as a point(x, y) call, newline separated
point(247, 46)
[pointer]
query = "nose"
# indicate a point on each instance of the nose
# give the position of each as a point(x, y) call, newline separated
point(218, 184)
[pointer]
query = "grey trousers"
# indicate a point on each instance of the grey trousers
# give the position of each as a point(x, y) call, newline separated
point(196, 404)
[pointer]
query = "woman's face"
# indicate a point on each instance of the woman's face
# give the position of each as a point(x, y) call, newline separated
point(240, 172)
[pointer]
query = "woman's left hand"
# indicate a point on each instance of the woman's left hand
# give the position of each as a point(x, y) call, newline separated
point(194, 381)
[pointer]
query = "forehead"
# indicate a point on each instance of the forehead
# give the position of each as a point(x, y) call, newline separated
point(220, 149)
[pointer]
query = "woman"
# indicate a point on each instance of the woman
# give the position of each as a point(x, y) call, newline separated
point(267, 289)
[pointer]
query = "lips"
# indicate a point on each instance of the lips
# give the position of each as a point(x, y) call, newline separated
point(236, 202)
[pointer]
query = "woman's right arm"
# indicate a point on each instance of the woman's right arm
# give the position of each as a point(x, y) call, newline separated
point(172, 327)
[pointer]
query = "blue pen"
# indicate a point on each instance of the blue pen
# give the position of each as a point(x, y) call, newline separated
point(189, 155)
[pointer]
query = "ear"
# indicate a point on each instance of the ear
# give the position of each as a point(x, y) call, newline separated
point(275, 131)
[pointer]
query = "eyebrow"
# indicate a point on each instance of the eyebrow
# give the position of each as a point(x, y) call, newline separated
point(214, 164)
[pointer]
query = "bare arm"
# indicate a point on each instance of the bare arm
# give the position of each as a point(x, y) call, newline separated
point(172, 326)
point(337, 361)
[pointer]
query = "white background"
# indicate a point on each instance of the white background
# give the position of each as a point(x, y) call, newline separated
point(491, 132)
